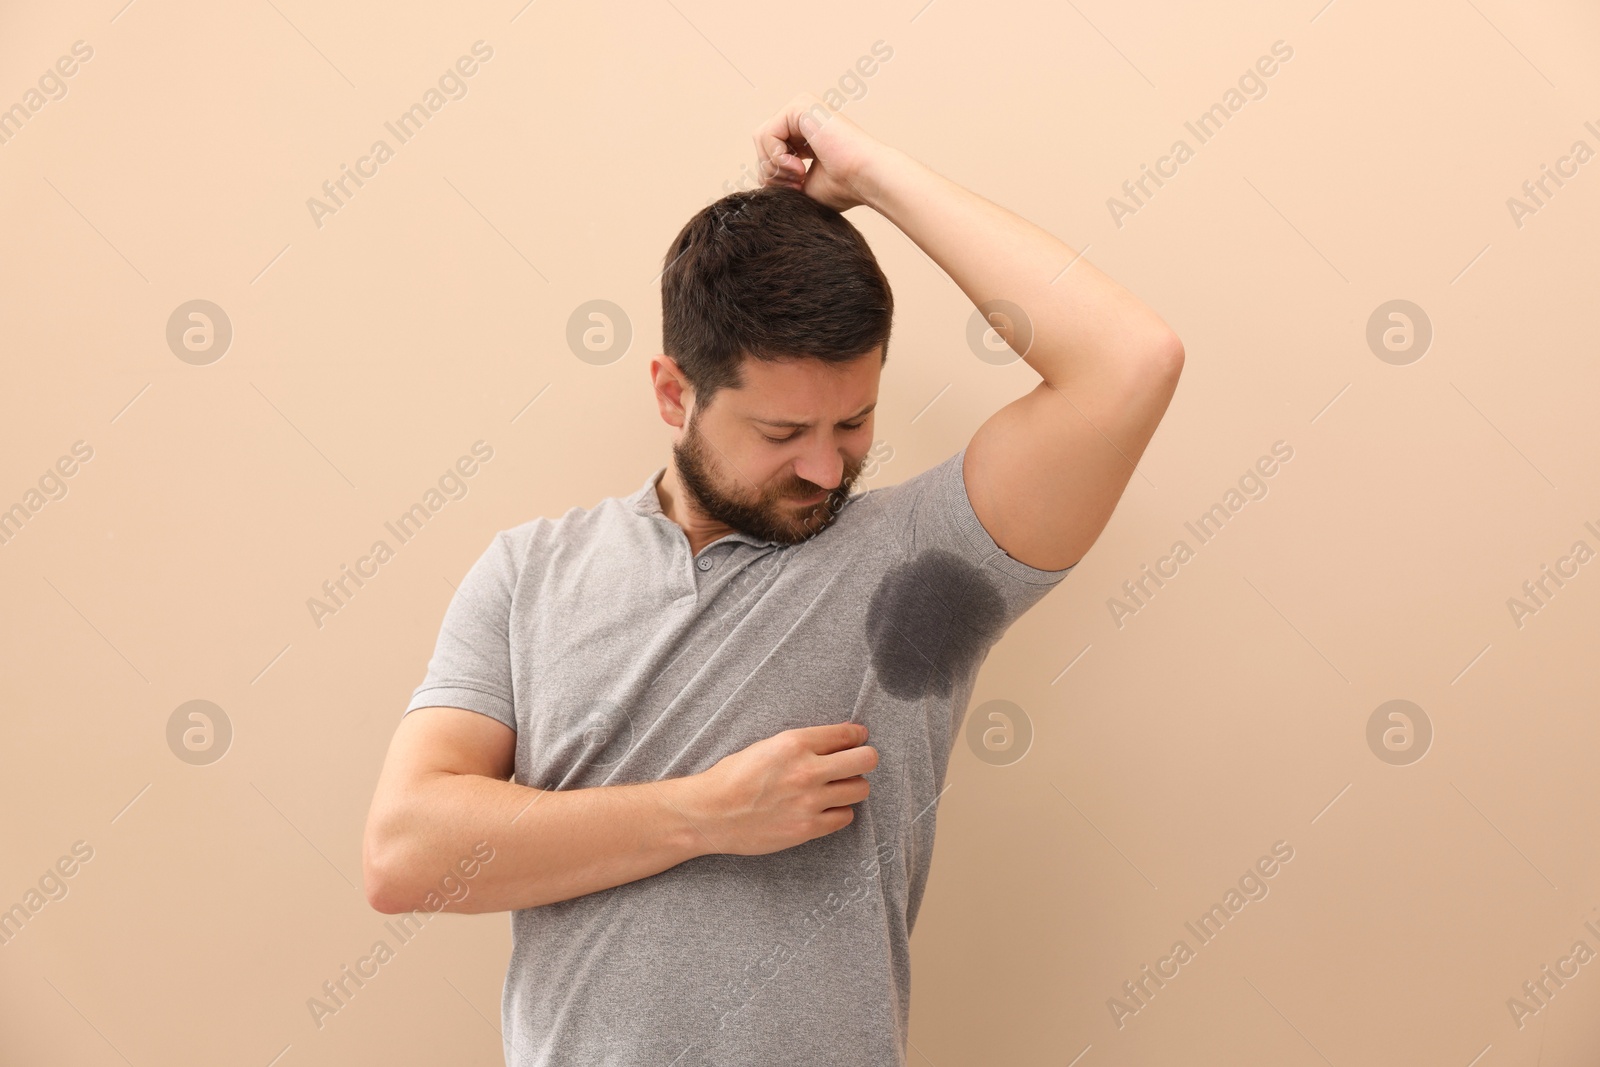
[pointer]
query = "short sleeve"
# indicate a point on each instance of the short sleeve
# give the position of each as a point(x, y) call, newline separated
point(930, 522)
point(471, 664)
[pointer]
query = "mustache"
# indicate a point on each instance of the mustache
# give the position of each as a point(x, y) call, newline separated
point(806, 490)
point(837, 493)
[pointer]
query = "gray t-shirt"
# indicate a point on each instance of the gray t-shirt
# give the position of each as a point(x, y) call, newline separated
point(618, 657)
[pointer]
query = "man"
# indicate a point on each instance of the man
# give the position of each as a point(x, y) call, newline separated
point(655, 711)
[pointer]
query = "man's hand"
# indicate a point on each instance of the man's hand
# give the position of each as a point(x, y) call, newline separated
point(839, 150)
point(783, 790)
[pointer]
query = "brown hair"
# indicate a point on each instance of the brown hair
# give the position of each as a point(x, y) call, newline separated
point(774, 274)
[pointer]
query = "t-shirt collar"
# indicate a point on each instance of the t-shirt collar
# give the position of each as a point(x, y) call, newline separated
point(647, 502)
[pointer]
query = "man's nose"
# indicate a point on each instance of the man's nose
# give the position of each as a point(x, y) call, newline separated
point(822, 466)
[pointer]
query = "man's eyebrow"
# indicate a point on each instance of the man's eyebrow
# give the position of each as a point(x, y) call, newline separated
point(807, 425)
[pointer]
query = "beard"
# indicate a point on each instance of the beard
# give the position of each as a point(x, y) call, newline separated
point(776, 514)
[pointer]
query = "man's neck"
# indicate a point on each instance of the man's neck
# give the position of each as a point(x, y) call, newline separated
point(675, 504)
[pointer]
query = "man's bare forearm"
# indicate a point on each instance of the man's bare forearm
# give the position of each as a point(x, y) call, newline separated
point(549, 845)
point(1085, 326)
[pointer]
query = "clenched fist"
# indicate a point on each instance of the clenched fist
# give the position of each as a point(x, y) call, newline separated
point(840, 150)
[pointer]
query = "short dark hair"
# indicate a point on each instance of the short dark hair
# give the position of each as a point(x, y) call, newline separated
point(773, 274)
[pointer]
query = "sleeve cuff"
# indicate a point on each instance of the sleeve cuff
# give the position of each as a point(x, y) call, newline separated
point(456, 696)
point(966, 520)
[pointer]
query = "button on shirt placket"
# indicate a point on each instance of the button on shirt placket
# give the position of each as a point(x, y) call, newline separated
point(704, 571)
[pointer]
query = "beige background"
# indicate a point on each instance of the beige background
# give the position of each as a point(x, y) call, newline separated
point(431, 310)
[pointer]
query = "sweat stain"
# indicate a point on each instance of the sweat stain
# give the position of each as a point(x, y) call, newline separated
point(929, 617)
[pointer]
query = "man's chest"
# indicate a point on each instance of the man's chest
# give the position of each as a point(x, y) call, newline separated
point(644, 676)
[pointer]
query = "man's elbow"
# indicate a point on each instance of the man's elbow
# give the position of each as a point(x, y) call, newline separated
point(382, 897)
point(1156, 370)
point(382, 873)
point(1166, 354)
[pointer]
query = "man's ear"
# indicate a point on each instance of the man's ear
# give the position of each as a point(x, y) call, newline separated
point(674, 394)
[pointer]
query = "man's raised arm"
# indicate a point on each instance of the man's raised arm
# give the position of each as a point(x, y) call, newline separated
point(1045, 472)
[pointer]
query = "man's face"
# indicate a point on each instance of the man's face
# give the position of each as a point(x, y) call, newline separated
point(776, 458)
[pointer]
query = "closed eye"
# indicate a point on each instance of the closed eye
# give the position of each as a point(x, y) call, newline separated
point(791, 437)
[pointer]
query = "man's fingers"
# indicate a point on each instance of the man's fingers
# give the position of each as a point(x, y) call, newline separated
point(834, 737)
point(806, 114)
point(772, 139)
point(784, 137)
point(785, 143)
point(770, 154)
point(846, 764)
point(782, 170)
point(788, 164)
point(770, 149)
